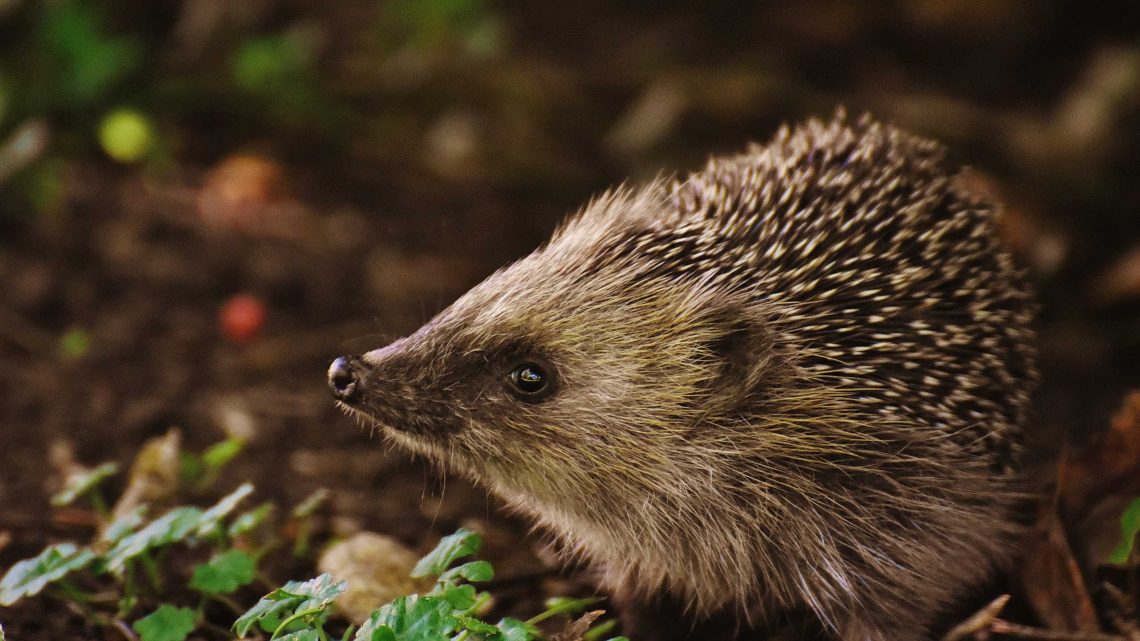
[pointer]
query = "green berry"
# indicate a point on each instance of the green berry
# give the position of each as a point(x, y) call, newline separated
point(126, 135)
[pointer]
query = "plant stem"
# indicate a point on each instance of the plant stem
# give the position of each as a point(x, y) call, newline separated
point(301, 544)
point(298, 615)
point(569, 605)
point(100, 506)
point(228, 602)
point(129, 594)
point(73, 593)
point(152, 572)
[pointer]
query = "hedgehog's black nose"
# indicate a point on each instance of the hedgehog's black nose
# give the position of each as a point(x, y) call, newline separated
point(344, 376)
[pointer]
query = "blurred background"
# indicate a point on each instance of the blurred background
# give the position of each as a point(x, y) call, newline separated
point(203, 201)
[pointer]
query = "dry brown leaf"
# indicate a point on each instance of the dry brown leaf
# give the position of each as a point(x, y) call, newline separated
point(1052, 580)
point(1110, 465)
point(154, 474)
point(378, 569)
point(576, 629)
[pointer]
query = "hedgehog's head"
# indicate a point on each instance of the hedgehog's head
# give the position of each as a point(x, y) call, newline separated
point(584, 376)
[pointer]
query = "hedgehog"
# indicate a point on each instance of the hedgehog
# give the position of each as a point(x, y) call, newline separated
point(791, 382)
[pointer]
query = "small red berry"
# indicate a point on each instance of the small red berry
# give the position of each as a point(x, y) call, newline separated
point(242, 317)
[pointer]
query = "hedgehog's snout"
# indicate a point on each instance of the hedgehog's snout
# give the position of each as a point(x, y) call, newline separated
point(345, 374)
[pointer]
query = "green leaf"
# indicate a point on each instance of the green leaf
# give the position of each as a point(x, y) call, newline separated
point(373, 630)
point(1129, 528)
point(29, 576)
point(418, 618)
point(190, 467)
point(475, 571)
point(212, 517)
point(122, 526)
point(480, 628)
point(515, 630)
point(270, 611)
point(167, 623)
point(247, 521)
point(598, 631)
point(284, 602)
point(175, 525)
point(79, 484)
point(224, 573)
point(451, 548)
point(461, 597)
point(308, 634)
point(219, 454)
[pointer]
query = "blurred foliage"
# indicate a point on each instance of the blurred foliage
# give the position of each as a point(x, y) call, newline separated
point(279, 71)
point(73, 64)
point(77, 63)
point(61, 66)
point(74, 344)
point(430, 25)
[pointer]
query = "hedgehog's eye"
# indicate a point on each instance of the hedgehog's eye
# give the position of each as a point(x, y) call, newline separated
point(529, 379)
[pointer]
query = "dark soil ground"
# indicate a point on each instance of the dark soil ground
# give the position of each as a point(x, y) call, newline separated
point(426, 169)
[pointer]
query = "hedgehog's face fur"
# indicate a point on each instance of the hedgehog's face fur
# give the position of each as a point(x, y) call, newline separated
point(793, 380)
point(536, 379)
point(647, 382)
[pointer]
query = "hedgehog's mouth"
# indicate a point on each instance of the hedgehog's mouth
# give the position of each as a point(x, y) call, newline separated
point(383, 422)
point(364, 419)
point(405, 439)
point(442, 452)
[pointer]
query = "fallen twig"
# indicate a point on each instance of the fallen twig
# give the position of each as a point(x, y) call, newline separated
point(122, 628)
point(1001, 626)
point(978, 621)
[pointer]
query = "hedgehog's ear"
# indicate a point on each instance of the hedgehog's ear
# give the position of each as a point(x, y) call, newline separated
point(744, 357)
